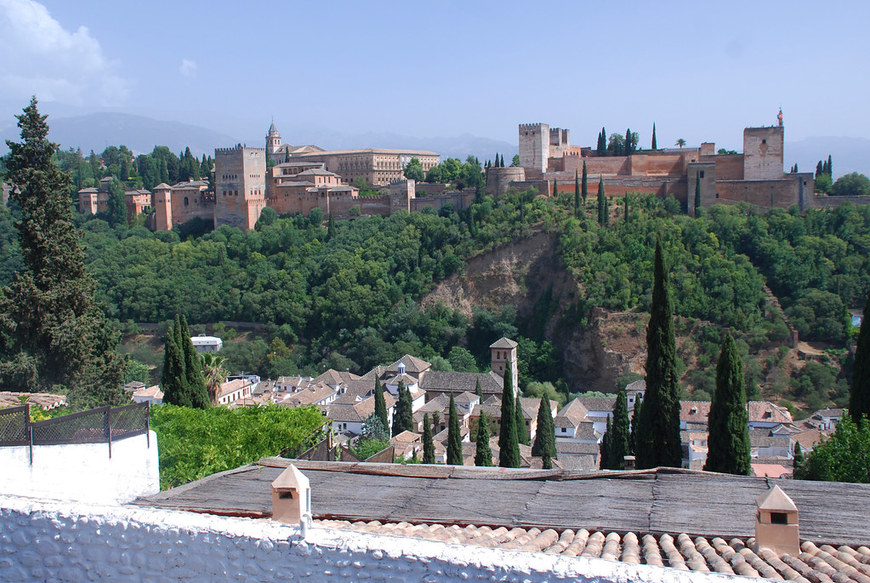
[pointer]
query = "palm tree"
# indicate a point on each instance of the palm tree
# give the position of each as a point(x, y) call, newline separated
point(214, 373)
point(681, 142)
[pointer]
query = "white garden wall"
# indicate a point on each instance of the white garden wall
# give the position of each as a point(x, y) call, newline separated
point(69, 542)
point(83, 471)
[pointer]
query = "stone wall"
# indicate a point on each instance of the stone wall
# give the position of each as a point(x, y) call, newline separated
point(728, 166)
point(763, 153)
point(498, 179)
point(45, 541)
point(827, 202)
point(534, 146)
point(56, 471)
point(765, 194)
point(459, 200)
point(240, 186)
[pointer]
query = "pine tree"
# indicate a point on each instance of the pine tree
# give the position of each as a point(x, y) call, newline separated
point(619, 441)
point(52, 331)
point(545, 436)
point(697, 193)
point(403, 419)
point(194, 381)
point(859, 396)
point(428, 444)
point(508, 444)
point(728, 425)
point(381, 406)
point(602, 210)
point(658, 434)
point(654, 145)
point(454, 436)
point(482, 453)
point(584, 185)
point(522, 430)
point(576, 193)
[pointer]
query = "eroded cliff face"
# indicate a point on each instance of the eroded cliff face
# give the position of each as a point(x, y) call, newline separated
point(530, 275)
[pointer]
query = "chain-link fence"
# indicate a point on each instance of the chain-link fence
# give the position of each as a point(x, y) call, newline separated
point(101, 425)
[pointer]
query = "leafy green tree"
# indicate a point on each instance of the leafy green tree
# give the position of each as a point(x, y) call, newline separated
point(824, 184)
point(52, 331)
point(658, 435)
point(797, 461)
point(372, 428)
point(625, 202)
point(853, 184)
point(174, 380)
point(584, 185)
point(654, 146)
point(482, 452)
point(728, 441)
point(195, 383)
point(859, 396)
point(477, 390)
point(620, 434)
point(381, 406)
point(522, 430)
point(117, 203)
point(414, 170)
point(616, 145)
point(515, 162)
point(214, 373)
point(403, 419)
point(844, 457)
point(454, 436)
point(545, 436)
point(428, 443)
point(508, 442)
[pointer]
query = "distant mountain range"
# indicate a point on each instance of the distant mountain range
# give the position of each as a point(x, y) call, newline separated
point(95, 131)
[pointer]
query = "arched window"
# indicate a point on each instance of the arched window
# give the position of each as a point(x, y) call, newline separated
point(186, 201)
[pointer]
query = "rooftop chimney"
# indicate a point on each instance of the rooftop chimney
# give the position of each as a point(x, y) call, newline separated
point(776, 523)
point(291, 498)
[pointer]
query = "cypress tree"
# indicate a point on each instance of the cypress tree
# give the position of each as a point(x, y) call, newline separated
point(483, 453)
point(584, 185)
point(522, 431)
point(830, 167)
point(658, 433)
point(602, 210)
point(619, 441)
point(604, 449)
point(576, 194)
point(403, 419)
point(820, 169)
point(555, 191)
point(53, 332)
point(381, 407)
point(428, 444)
point(602, 143)
point(508, 444)
point(454, 437)
point(626, 207)
point(635, 416)
point(697, 193)
point(859, 395)
point(798, 459)
point(654, 145)
point(477, 390)
point(173, 379)
point(545, 437)
point(628, 142)
point(728, 424)
point(193, 370)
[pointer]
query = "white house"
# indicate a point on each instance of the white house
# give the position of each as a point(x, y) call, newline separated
point(203, 343)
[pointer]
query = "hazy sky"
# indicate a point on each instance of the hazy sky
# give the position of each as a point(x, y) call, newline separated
point(700, 70)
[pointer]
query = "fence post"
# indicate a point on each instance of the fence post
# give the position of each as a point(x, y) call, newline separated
point(109, 428)
point(29, 430)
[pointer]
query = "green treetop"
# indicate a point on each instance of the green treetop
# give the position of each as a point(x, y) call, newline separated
point(522, 430)
point(192, 368)
point(545, 436)
point(482, 453)
point(602, 203)
point(620, 434)
point(53, 332)
point(403, 419)
point(658, 432)
point(584, 184)
point(508, 444)
point(428, 444)
point(654, 146)
point(381, 406)
point(728, 424)
point(576, 194)
point(174, 380)
point(454, 436)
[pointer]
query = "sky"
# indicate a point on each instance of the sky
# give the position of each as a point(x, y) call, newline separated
point(701, 71)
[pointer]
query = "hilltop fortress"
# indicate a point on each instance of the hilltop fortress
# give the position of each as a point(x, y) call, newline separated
point(298, 179)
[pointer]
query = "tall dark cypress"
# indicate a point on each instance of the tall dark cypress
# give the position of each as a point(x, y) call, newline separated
point(403, 419)
point(697, 193)
point(658, 435)
point(728, 424)
point(628, 142)
point(478, 391)
point(508, 444)
point(859, 396)
point(584, 185)
point(601, 202)
point(173, 379)
point(604, 449)
point(635, 417)
point(555, 191)
point(454, 437)
point(576, 194)
point(626, 206)
point(545, 436)
point(482, 453)
point(654, 145)
point(619, 442)
point(820, 169)
point(602, 143)
point(522, 430)
point(381, 406)
point(195, 382)
point(830, 167)
point(428, 444)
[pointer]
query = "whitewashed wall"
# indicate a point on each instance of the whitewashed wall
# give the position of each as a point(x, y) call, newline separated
point(82, 472)
point(57, 541)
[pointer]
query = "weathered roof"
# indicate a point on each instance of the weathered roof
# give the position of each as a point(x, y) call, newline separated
point(653, 501)
point(504, 342)
point(44, 400)
point(777, 500)
point(598, 403)
point(571, 415)
point(638, 385)
point(310, 395)
point(576, 448)
point(765, 411)
point(357, 412)
point(462, 382)
point(694, 411)
point(335, 377)
point(412, 364)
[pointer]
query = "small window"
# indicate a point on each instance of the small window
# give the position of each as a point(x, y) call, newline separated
point(702, 174)
point(285, 495)
point(778, 518)
point(763, 141)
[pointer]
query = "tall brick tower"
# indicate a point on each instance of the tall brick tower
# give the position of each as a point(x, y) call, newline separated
point(240, 186)
point(504, 360)
point(161, 201)
point(273, 141)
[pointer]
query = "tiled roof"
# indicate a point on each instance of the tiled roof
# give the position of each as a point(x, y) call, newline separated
point(310, 395)
point(598, 403)
point(571, 415)
point(369, 151)
point(44, 400)
point(694, 411)
point(576, 448)
point(504, 343)
point(335, 377)
point(462, 382)
point(765, 411)
point(638, 385)
point(412, 364)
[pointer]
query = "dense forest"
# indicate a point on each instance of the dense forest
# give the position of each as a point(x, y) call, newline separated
point(344, 294)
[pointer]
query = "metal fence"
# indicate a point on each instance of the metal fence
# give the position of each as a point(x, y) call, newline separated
point(101, 425)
